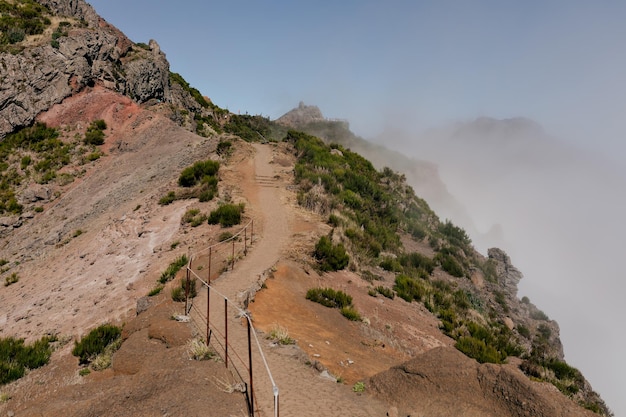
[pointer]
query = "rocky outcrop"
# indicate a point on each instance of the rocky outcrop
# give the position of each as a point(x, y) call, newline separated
point(301, 115)
point(77, 9)
point(508, 275)
point(44, 75)
point(444, 382)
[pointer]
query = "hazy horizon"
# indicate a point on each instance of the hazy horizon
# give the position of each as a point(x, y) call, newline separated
point(417, 66)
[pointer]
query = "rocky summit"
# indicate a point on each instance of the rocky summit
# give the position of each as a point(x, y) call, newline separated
point(120, 182)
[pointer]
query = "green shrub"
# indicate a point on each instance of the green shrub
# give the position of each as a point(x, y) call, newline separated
point(26, 160)
point(168, 198)
point(564, 371)
point(249, 128)
point(417, 261)
point(391, 264)
point(523, 331)
point(206, 195)
point(173, 269)
point(334, 220)
point(387, 292)
point(11, 279)
point(455, 235)
point(331, 257)
point(224, 236)
point(358, 387)
point(156, 290)
point(478, 349)
point(95, 342)
point(223, 147)
point(350, 313)
point(190, 176)
point(194, 217)
point(409, 288)
point(99, 124)
point(94, 134)
point(178, 293)
point(329, 297)
point(450, 265)
point(227, 215)
point(16, 357)
point(20, 19)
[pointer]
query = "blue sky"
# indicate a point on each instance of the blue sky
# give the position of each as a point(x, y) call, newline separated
point(411, 65)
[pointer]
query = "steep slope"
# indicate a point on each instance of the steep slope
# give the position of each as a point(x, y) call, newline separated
point(420, 174)
point(114, 205)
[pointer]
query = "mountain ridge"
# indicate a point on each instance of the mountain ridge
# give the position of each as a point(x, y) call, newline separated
point(140, 132)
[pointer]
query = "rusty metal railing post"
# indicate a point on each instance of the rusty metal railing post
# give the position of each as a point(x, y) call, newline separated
point(251, 231)
point(210, 255)
point(245, 241)
point(208, 315)
point(276, 402)
point(226, 331)
point(187, 287)
point(250, 362)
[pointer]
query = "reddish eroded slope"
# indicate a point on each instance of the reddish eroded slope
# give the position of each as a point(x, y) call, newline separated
point(69, 284)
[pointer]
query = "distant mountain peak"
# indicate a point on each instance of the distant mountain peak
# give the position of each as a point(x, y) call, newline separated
point(301, 115)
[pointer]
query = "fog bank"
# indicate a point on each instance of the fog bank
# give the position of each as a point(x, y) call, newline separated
point(557, 211)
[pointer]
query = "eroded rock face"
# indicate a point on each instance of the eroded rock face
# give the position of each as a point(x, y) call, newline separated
point(444, 382)
point(73, 8)
point(39, 77)
point(508, 275)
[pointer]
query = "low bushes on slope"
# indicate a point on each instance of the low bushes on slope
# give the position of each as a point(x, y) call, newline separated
point(331, 257)
point(227, 215)
point(16, 357)
point(173, 269)
point(331, 298)
point(198, 181)
point(95, 342)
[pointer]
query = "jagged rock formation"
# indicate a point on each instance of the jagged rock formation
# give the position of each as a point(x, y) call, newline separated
point(509, 275)
point(92, 53)
point(73, 8)
point(301, 116)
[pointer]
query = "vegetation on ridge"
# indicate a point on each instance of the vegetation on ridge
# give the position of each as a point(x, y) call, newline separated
point(20, 18)
point(198, 181)
point(96, 342)
point(370, 211)
point(37, 153)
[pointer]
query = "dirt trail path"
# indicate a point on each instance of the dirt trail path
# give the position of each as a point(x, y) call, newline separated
point(303, 391)
point(271, 226)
